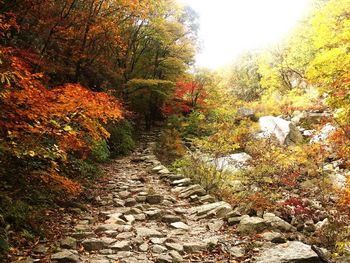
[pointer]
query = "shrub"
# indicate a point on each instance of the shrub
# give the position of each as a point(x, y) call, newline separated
point(100, 151)
point(121, 140)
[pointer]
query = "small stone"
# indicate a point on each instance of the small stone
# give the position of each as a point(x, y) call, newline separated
point(277, 222)
point(211, 241)
point(154, 214)
point(251, 225)
point(106, 227)
point(158, 240)
point(180, 225)
point(154, 199)
point(121, 246)
point(124, 194)
point(170, 219)
point(69, 243)
point(193, 247)
point(273, 237)
point(207, 199)
point(158, 249)
point(83, 235)
point(125, 235)
point(143, 247)
point(175, 246)
point(65, 256)
point(182, 182)
point(140, 199)
point(130, 202)
point(140, 217)
point(237, 252)
point(96, 243)
point(234, 220)
point(148, 232)
point(216, 225)
point(130, 219)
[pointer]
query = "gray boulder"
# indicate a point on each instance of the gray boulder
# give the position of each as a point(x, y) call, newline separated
point(290, 252)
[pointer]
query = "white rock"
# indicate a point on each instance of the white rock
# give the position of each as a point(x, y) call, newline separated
point(284, 131)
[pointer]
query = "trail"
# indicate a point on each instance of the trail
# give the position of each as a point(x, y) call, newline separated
point(147, 214)
point(144, 218)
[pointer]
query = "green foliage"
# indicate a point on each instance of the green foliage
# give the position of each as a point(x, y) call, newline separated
point(203, 173)
point(100, 151)
point(121, 140)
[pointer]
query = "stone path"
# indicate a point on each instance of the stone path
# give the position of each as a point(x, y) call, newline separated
point(151, 215)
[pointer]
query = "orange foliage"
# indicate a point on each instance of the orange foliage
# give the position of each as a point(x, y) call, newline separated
point(47, 124)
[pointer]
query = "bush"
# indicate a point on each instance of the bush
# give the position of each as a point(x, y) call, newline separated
point(121, 140)
point(100, 151)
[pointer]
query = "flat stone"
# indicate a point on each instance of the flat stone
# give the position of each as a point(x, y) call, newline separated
point(191, 190)
point(140, 217)
point(129, 218)
point(183, 182)
point(130, 202)
point(125, 235)
point(175, 246)
point(97, 243)
point(158, 240)
point(180, 225)
point(68, 243)
point(170, 218)
point(83, 235)
point(158, 168)
point(216, 225)
point(154, 214)
point(251, 225)
point(106, 227)
point(234, 220)
point(217, 209)
point(273, 237)
point(147, 232)
point(207, 199)
point(124, 194)
point(211, 241)
point(121, 246)
point(193, 247)
point(158, 249)
point(66, 256)
point(277, 222)
point(154, 199)
point(236, 252)
point(290, 252)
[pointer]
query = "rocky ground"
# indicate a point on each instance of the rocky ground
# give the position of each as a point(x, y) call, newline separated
point(148, 214)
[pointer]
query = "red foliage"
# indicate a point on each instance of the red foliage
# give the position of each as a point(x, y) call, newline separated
point(187, 97)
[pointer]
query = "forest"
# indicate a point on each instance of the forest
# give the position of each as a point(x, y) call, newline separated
point(87, 86)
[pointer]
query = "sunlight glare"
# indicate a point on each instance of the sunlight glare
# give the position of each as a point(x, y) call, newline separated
point(229, 27)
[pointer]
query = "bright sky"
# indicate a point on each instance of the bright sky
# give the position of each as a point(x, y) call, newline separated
point(229, 27)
